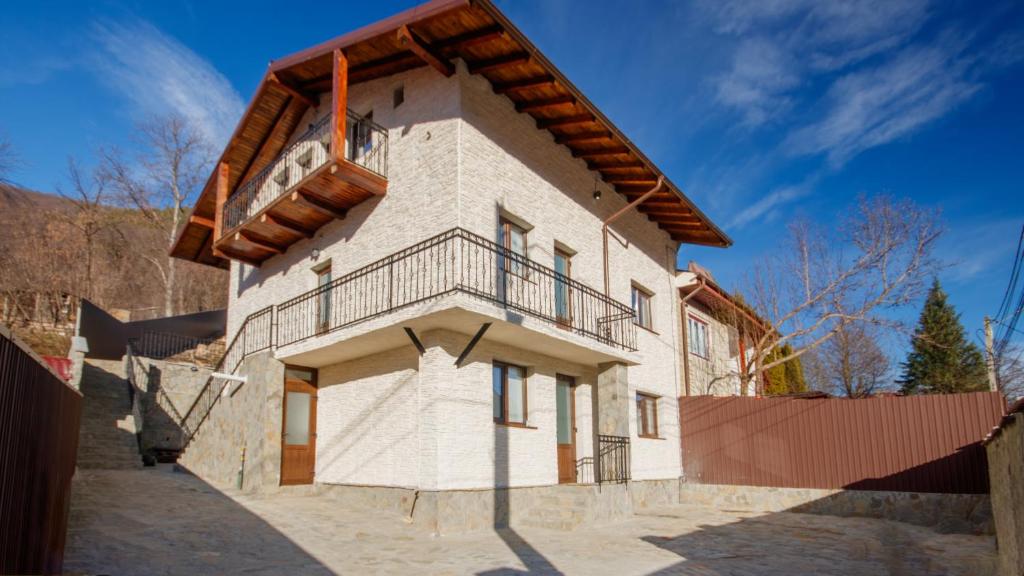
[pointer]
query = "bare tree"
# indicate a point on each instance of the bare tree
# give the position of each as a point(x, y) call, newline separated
point(88, 218)
point(877, 259)
point(8, 160)
point(1010, 371)
point(851, 362)
point(173, 160)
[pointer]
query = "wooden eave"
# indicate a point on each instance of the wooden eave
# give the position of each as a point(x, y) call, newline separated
point(478, 33)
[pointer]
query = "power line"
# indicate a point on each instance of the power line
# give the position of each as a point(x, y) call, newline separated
point(1009, 325)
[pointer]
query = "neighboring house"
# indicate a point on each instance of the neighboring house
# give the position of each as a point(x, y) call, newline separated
point(417, 209)
point(718, 337)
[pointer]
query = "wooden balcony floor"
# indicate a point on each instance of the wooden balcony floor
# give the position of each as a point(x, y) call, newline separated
point(324, 195)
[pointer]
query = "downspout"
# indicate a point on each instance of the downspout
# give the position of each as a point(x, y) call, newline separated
point(686, 335)
point(616, 216)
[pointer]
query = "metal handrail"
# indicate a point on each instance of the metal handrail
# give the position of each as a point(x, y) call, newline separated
point(366, 144)
point(456, 261)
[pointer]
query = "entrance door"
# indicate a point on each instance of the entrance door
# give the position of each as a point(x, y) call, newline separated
point(298, 435)
point(566, 406)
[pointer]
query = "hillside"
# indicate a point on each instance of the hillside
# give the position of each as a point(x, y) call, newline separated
point(54, 251)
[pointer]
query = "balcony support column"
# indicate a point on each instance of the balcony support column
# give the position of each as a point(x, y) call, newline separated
point(339, 105)
point(223, 174)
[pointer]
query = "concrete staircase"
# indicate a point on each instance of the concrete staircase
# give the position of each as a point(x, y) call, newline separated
point(107, 436)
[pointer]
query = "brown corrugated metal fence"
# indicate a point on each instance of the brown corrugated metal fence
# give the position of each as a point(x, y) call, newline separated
point(39, 416)
point(925, 443)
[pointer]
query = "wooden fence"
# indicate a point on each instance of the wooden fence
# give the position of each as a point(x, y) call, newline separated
point(915, 443)
point(39, 417)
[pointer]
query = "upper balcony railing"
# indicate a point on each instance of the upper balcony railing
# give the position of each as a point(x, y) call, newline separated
point(457, 261)
point(366, 144)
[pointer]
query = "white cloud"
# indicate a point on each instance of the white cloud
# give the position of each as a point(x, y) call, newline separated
point(877, 105)
point(758, 82)
point(764, 207)
point(160, 75)
point(782, 44)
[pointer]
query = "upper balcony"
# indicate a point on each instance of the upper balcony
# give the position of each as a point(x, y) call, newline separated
point(303, 188)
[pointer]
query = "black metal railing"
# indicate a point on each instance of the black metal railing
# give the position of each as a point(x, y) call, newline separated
point(612, 459)
point(255, 335)
point(171, 346)
point(366, 144)
point(456, 261)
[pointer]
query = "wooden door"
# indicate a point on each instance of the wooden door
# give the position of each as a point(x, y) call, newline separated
point(565, 402)
point(298, 431)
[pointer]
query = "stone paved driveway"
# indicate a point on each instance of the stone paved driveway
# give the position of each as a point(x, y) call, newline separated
point(155, 521)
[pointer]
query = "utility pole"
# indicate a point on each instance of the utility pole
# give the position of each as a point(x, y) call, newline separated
point(990, 356)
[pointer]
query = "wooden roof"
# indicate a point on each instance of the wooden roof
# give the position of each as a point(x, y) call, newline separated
point(477, 32)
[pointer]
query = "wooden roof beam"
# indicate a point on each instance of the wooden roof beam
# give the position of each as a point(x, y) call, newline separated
point(411, 41)
point(526, 84)
point(615, 166)
point(613, 151)
point(286, 224)
point(312, 202)
point(259, 242)
point(293, 92)
point(498, 63)
point(565, 121)
point(472, 38)
point(546, 103)
point(231, 254)
point(200, 221)
point(583, 137)
point(632, 180)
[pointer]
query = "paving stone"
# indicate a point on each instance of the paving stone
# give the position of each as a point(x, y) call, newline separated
point(156, 521)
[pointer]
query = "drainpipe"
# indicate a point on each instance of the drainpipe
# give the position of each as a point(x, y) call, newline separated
point(686, 334)
point(616, 216)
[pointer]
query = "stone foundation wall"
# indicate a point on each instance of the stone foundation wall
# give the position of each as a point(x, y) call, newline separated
point(168, 390)
point(945, 513)
point(248, 418)
point(560, 507)
point(1006, 477)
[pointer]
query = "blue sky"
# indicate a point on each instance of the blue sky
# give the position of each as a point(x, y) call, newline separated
point(760, 111)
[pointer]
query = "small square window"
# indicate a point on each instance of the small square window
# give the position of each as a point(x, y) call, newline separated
point(697, 334)
point(641, 300)
point(508, 384)
point(398, 96)
point(646, 415)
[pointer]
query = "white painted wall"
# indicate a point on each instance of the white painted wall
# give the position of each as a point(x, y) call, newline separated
point(459, 155)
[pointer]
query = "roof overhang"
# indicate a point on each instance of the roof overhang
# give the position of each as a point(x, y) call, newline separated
point(477, 32)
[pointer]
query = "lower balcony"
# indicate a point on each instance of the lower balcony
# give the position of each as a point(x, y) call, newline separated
point(304, 188)
point(456, 280)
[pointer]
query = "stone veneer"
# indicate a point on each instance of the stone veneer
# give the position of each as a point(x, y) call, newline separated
point(167, 390)
point(249, 418)
point(945, 513)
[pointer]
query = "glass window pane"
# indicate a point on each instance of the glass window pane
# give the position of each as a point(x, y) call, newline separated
point(563, 401)
point(516, 400)
point(496, 384)
point(297, 419)
point(649, 404)
point(299, 374)
point(518, 241)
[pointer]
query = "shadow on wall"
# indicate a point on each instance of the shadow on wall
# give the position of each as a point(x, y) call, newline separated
point(534, 561)
point(205, 532)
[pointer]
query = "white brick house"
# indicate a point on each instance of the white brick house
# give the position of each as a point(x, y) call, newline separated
point(438, 278)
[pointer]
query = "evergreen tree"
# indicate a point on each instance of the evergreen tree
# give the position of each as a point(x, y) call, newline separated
point(786, 378)
point(941, 359)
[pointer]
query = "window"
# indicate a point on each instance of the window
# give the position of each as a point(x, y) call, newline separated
point(697, 334)
point(642, 307)
point(513, 239)
point(323, 298)
point(398, 97)
point(563, 296)
point(646, 415)
point(360, 136)
point(508, 384)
